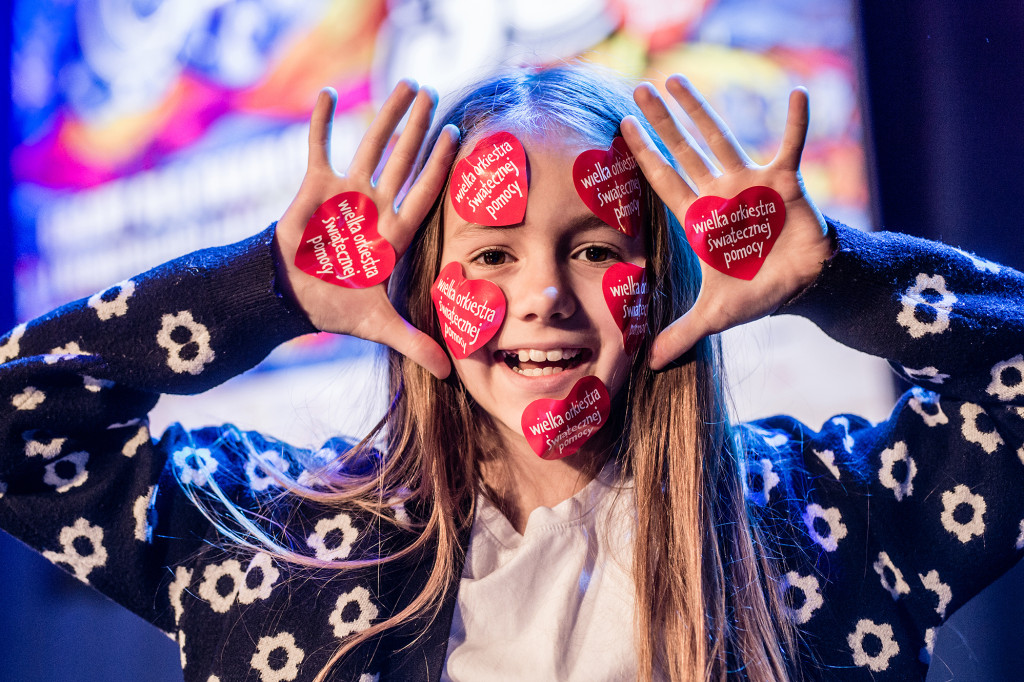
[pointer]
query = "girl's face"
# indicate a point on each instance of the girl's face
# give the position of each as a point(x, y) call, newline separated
point(550, 268)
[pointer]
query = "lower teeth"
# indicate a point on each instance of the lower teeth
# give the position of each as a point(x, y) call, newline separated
point(537, 371)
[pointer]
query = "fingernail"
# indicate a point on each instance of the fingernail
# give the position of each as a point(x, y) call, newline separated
point(648, 88)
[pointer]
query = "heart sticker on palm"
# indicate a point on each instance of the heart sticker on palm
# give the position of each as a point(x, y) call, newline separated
point(489, 186)
point(608, 181)
point(735, 235)
point(341, 244)
point(625, 292)
point(469, 310)
point(558, 428)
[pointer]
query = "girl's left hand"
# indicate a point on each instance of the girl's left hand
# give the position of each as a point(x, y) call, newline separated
point(803, 244)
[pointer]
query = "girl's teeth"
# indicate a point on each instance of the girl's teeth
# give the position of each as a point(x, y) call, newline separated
point(538, 371)
point(534, 355)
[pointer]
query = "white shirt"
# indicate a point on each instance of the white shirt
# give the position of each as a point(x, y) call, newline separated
point(556, 603)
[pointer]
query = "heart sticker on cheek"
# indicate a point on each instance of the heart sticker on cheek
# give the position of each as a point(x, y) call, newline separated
point(735, 235)
point(469, 310)
point(608, 181)
point(625, 292)
point(558, 428)
point(341, 244)
point(489, 186)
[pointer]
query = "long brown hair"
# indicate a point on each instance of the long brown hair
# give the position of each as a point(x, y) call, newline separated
point(707, 593)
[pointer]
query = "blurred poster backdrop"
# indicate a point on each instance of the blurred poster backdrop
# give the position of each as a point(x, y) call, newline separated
point(147, 129)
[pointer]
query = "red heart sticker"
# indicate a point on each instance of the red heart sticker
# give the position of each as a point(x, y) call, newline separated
point(470, 310)
point(625, 292)
point(608, 181)
point(341, 244)
point(735, 235)
point(558, 428)
point(489, 187)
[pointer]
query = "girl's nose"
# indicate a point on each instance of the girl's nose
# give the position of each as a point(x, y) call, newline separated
point(541, 293)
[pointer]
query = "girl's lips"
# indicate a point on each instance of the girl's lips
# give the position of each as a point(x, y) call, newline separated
point(538, 363)
point(535, 362)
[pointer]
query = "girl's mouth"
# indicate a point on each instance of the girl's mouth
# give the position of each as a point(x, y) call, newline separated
point(532, 362)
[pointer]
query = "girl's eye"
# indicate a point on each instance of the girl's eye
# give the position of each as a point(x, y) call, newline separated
point(492, 257)
point(596, 254)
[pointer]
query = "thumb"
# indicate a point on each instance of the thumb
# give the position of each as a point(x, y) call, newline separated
point(680, 336)
point(398, 334)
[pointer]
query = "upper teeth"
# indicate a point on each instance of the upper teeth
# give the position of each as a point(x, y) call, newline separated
point(534, 355)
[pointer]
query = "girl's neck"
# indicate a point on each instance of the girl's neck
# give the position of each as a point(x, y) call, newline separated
point(518, 481)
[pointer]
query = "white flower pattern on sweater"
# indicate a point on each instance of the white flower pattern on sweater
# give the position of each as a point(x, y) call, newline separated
point(861, 543)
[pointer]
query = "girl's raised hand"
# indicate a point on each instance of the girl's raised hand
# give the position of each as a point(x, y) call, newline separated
point(367, 313)
point(802, 246)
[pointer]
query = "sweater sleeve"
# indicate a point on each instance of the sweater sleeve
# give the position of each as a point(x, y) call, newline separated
point(902, 522)
point(81, 479)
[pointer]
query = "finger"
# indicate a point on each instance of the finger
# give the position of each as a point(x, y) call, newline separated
point(718, 136)
point(795, 135)
point(320, 124)
point(660, 174)
point(403, 156)
point(679, 337)
point(682, 145)
point(428, 185)
point(377, 136)
point(415, 345)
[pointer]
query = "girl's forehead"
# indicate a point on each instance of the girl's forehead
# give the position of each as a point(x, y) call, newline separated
point(516, 174)
point(555, 139)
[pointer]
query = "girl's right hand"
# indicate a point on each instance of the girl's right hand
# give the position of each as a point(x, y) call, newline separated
point(367, 313)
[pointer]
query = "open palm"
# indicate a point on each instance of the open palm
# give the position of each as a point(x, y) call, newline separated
point(367, 313)
point(802, 246)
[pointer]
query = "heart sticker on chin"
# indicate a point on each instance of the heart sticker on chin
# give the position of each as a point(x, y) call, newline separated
point(608, 181)
point(625, 292)
point(341, 244)
point(735, 235)
point(558, 428)
point(489, 186)
point(469, 310)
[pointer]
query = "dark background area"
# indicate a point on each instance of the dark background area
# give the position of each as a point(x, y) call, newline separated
point(943, 107)
point(942, 96)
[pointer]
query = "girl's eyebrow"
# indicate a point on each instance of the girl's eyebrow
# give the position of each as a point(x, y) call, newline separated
point(467, 230)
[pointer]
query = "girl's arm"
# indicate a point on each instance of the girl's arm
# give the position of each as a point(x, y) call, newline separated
point(81, 479)
point(902, 522)
point(884, 530)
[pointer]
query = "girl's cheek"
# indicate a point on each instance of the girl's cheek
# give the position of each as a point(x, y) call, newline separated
point(470, 311)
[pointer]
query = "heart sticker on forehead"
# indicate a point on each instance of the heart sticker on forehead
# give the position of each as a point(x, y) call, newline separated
point(469, 310)
point(608, 181)
point(558, 428)
point(625, 292)
point(341, 244)
point(489, 186)
point(735, 235)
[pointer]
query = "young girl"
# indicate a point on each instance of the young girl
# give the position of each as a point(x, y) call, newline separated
point(670, 545)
